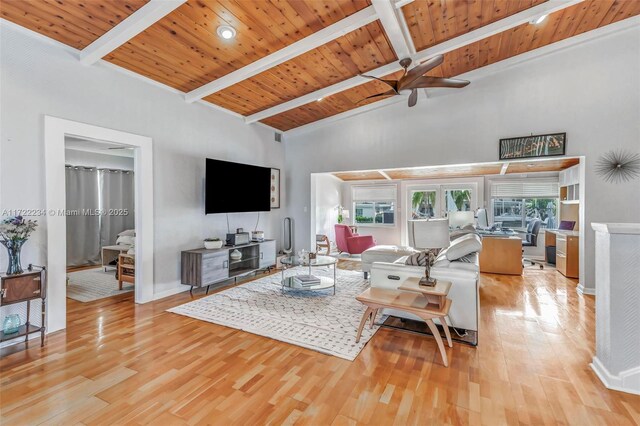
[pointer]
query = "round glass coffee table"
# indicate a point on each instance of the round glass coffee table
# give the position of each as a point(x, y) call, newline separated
point(294, 283)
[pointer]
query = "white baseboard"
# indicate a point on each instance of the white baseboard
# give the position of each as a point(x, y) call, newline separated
point(627, 381)
point(582, 290)
point(182, 288)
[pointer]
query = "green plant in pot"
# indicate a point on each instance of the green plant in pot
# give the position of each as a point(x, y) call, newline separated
point(212, 243)
point(14, 232)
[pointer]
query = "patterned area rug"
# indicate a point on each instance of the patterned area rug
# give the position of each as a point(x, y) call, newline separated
point(93, 284)
point(315, 320)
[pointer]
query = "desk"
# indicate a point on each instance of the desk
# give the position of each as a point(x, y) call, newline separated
point(567, 252)
point(501, 255)
point(497, 233)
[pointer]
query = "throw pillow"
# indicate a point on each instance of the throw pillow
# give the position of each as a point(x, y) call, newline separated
point(127, 233)
point(465, 230)
point(126, 240)
point(422, 258)
point(467, 244)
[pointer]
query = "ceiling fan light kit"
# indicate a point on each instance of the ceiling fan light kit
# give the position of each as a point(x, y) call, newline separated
point(414, 79)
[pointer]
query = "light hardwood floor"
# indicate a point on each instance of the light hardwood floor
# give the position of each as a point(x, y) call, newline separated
point(120, 363)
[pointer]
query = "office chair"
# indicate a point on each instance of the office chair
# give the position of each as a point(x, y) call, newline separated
point(531, 240)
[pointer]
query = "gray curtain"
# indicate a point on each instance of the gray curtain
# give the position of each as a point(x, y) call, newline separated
point(83, 235)
point(116, 196)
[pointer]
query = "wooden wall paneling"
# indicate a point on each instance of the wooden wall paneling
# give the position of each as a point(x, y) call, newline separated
point(76, 23)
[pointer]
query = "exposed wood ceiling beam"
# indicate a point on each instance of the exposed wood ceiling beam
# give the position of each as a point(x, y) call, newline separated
point(479, 73)
point(133, 25)
point(383, 173)
point(402, 3)
point(315, 40)
point(442, 48)
point(391, 23)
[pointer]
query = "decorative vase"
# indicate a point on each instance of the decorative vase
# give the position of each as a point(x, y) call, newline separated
point(235, 255)
point(14, 247)
point(11, 324)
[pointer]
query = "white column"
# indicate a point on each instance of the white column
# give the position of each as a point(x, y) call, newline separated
point(617, 359)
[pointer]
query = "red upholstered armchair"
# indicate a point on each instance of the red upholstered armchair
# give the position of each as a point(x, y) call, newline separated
point(351, 243)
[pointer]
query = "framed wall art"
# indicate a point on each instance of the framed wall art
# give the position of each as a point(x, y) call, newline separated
point(275, 188)
point(533, 146)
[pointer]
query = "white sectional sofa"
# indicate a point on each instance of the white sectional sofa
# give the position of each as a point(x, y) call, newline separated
point(389, 271)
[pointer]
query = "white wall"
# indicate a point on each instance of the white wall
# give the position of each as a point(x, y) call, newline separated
point(383, 234)
point(328, 195)
point(591, 91)
point(38, 78)
point(94, 159)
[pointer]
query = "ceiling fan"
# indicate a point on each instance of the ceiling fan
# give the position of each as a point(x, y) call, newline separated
point(414, 79)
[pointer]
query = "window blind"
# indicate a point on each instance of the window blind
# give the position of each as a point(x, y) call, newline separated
point(525, 188)
point(374, 193)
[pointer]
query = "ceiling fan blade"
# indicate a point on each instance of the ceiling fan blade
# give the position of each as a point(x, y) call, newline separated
point(419, 71)
point(378, 96)
point(413, 98)
point(426, 81)
point(391, 83)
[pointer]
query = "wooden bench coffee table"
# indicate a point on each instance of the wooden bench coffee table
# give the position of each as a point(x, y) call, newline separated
point(425, 302)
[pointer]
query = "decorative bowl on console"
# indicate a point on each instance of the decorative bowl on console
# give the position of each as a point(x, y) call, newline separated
point(212, 243)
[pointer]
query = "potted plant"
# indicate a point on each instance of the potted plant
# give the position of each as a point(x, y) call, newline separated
point(212, 243)
point(14, 232)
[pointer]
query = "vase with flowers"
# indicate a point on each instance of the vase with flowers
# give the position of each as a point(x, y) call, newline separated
point(14, 232)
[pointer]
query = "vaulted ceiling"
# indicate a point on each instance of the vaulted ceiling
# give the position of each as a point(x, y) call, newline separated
point(288, 54)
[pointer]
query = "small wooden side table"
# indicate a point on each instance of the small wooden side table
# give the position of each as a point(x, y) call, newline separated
point(436, 294)
point(425, 302)
point(126, 269)
point(23, 288)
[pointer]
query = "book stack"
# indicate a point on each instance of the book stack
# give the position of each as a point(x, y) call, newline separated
point(306, 280)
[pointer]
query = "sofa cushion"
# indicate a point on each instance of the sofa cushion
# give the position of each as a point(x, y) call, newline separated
point(470, 263)
point(463, 246)
point(385, 253)
point(465, 230)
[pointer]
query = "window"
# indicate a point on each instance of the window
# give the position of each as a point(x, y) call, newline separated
point(457, 200)
point(516, 203)
point(374, 205)
point(423, 204)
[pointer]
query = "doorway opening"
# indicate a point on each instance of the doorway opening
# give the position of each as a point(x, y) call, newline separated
point(100, 216)
point(57, 133)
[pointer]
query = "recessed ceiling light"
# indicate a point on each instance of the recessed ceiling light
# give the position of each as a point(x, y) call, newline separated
point(226, 32)
point(539, 19)
point(320, 99)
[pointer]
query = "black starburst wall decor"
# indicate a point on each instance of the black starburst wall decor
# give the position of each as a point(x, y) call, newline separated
point(618, 166)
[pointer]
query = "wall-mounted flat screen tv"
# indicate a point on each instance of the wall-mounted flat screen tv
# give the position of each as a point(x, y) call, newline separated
point(235, 187)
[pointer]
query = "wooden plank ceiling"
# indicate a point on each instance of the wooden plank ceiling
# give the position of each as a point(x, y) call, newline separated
point(76, 23)
point(183, 51)
point(441, 172)
point(574, 20)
